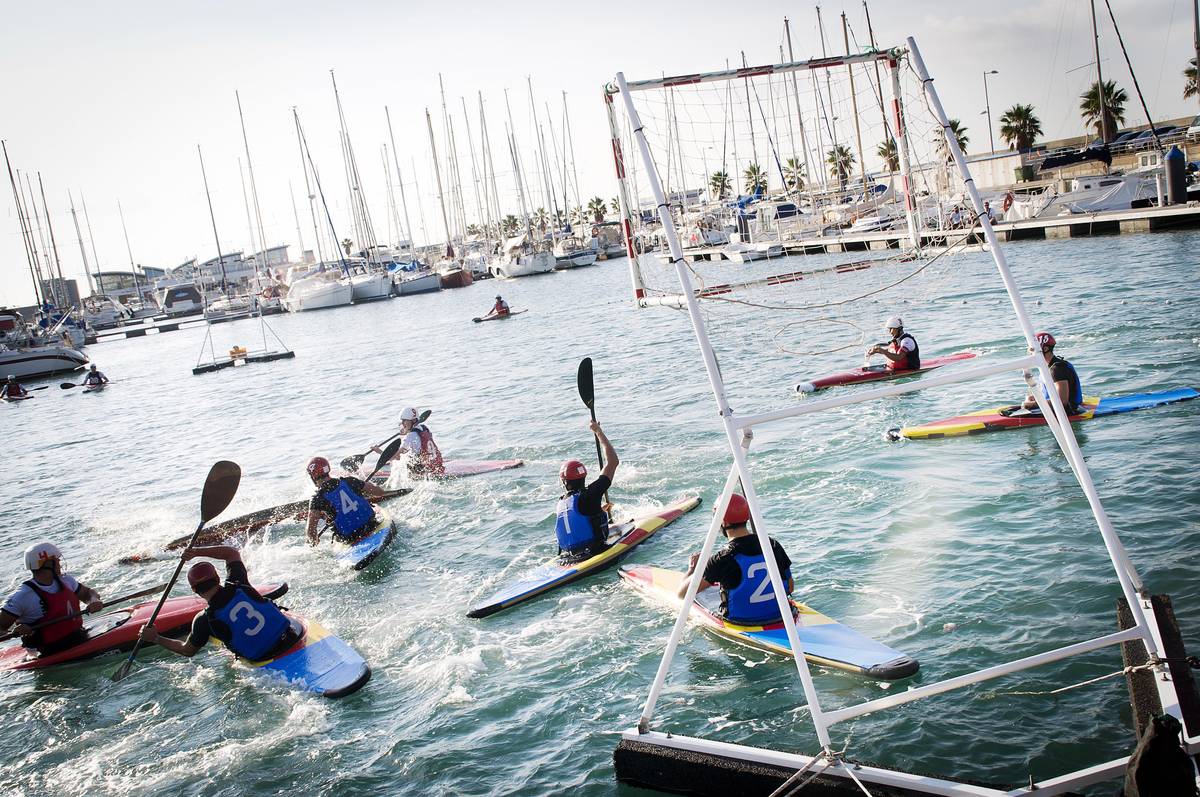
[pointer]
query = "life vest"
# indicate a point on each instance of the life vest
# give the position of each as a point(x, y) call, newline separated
point(351, 512)
point(255, 624)
point(914, 357)
point(501, 308)
point(429, 458)
point(752, 601)
point(575, 530)
point(54, 605)
point(1075, 399)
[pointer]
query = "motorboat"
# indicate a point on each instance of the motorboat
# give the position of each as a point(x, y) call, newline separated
point(28, 352)
point(317, 291)
point(609, 239)
point(368, 286)
point(571, 252)
point(179, 300)
point(741, 250)
point(1090, 194)
point(418, 279)
point(522, 258)
point(230, 308)
point(104, 312)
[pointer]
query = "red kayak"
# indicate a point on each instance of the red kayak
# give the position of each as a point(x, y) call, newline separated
point(875, 373)
point(460, 468)
point(115, 631)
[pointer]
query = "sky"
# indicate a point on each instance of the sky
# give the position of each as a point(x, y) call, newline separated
point(110, 100)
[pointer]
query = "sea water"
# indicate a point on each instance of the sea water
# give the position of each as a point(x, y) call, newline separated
point(962, 553)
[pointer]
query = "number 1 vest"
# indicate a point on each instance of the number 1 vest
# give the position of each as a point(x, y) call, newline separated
point(351, 511)
point(255, 625)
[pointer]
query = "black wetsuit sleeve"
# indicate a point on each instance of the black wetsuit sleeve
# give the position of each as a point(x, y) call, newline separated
point(723, 569)
point(320, 505)
point(781, 558)
point(235, 573)
point(591, 498)
point(201, 631)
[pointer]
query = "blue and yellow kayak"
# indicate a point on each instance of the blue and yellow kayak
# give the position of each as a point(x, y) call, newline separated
point(999, 419)
point(318, 662)
point(553, 574)
point(826, 641)
point(368, 549)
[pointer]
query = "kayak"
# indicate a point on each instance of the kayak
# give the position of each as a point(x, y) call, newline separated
point(118, 630)
point(319, 662)
point(93, 389)
point(826, 642)
point(875, 373)
point(999, 419)
point(15, 399)
point(499, 317)
point(367, 550)
point(460, 468)
point(622, 539)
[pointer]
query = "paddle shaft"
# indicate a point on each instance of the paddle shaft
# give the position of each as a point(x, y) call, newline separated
point(587, 392)
point(139, 594)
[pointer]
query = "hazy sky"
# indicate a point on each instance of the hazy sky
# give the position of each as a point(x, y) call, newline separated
point(111, 99)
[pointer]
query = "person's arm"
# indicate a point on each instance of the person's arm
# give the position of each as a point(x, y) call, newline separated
point(223, 553)
point(177, 646)
point(6, 620)
point(89, 597)
point(1064, 393)
point(373, 491)
point(894, 356)
point(310, 531)
point(611, 460)
point(683, 584)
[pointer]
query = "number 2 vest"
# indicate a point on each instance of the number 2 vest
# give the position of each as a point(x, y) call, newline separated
point(351, 511)
point(255, 625)
point(575, 530)
point(752, 601)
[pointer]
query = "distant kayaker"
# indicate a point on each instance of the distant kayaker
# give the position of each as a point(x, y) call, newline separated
point(499, 309)
point(12, 389)
point(425, 458)
point(581, 525)
point(902, 352)
point(49, 595)
point(249, 625)
point(740, 569)
point(95, 377)
point(1066, 380)
point(344, 503)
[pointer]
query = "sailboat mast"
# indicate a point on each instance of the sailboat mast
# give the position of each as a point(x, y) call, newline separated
point(1105, 133)
point(862, 162)
point(571, 138)
point(307, 186)
point(31, 202)
point(79, 237)
point(92, 238)
point(307, 152)
point(400, 179)
point(262, 243)
point(296, 216)
point(489, 164)
point(749, 113)
point(129, 250)
point(23, 221)
point(212, 217)
point(480, 202)
point(246, 204)
point(516, 164)
point(54, 245)
point(437, 172)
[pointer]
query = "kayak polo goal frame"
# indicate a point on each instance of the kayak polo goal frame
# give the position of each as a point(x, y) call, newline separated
point(739, 432)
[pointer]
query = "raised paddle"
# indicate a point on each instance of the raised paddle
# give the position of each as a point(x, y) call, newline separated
point(352, 462)
point(384, 458)
point(139, 594)
point(587, 392)
point(219, 489)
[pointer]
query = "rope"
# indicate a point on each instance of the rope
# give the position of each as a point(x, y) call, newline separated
point(1192, 661)
point(826, 759)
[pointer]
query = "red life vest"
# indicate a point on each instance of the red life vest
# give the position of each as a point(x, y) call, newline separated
point(54, 605)
point(500, 309)
point(429, 458)
point(912, 359)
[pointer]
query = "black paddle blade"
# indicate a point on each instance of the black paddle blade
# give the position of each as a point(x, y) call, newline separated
point(219, 489)
point(352, 463)
point(587, 390)
point(389, 451)
point(67, 385)
point(123, 670)
point(424, 416)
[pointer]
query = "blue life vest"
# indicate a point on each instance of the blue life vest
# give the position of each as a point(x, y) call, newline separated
point(351, 511)
point(255, 625)
point(575, 530)
point(1075, 400)
point(752, 601)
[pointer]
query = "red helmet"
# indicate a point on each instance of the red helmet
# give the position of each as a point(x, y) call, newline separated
point(1045, 340)
point(738, 511)
point(571, 470)
point(201, 572)
point(318, 468)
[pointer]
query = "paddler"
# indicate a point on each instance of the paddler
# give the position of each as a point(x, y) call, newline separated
point(48, 595)
point(344, 503)
point(425, 458)
point(249, 625)
point(1066, 380)
point(581, 525)
point(499, 309)
point(901, 351)
point(95, 377)
point(12, 388)
point(747, 596)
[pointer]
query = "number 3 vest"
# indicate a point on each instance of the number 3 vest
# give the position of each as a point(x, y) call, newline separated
point(255, 625)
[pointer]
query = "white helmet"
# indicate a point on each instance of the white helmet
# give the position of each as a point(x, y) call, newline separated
point(895, 322)
point(409, 414)
point(38, 556)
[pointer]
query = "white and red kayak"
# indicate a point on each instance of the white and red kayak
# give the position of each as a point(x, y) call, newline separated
point(875, 373)
point(460, 468)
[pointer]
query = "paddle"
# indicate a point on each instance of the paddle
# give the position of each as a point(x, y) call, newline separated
point(69, 385)
point(352, 462)
point(587, 392)
point(219, 489)
point(384, 458)
point(139, 594)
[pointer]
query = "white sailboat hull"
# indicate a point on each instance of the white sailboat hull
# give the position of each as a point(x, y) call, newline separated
point(426, 283)
point(36, 361)
point(523, 266)
point(369, 287)
point(314, 293)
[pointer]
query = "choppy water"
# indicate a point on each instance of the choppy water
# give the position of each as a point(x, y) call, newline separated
point(988, 536)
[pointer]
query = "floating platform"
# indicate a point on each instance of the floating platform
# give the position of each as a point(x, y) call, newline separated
point(249, 357)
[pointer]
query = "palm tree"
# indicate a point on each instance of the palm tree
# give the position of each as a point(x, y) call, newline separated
point(579, 215)
point(718, 183)
point(1114, 108)
point(511, 225)
point(1189, 74)
point(540, 217)
point(614, 205)
point(793, 174)
point(596, 206)
point(1019, 126)
point(473, 229)
point(347, 244)
point(840, 159)
point(756, 179)
point(889, 154)
point(960, 134)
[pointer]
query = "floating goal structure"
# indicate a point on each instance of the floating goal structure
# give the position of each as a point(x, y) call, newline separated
point(669, 136)
point(239, 355)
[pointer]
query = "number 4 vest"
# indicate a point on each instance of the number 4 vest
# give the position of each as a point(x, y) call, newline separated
point(351, 511)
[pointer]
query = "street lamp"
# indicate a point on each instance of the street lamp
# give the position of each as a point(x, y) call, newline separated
point(988, 105)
